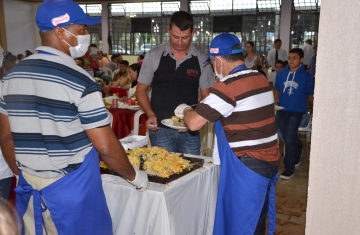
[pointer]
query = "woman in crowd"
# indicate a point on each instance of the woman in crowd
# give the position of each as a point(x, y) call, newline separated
point(251, 58)
point(130, 82)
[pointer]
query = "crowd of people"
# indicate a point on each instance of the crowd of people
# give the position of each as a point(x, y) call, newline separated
point(70, 127)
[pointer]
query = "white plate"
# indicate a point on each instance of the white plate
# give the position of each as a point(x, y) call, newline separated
point(169, 123)
point(133, 107)
point(277, 108)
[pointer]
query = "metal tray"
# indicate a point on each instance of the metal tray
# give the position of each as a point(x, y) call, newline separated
point(156, 179)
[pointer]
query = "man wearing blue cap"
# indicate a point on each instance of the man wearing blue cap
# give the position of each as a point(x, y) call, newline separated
point(242, 105)
point(53, 122)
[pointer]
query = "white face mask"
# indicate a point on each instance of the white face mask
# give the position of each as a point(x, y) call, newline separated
point(81, 48)
point(219, 75)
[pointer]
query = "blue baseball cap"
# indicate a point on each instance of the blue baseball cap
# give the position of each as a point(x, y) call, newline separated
point(60, 13)
point(222, 44)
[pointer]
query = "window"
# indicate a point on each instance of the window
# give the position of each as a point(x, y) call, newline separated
point(94, 30)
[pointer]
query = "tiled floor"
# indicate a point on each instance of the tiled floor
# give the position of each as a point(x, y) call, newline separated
point(298, 185)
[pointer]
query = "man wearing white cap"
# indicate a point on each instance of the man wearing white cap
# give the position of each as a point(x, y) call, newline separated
point(242, 105)
point(53, 124)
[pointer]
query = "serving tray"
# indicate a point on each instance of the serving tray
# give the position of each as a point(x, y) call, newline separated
point(197, 163)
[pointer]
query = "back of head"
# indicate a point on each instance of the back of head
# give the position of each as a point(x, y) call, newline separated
point(182, 20)
point(60, 13)
point(298, 51)
point(228, 46)
point(277, 40)
point(9, 220)
point(113, 57)
point(124, 62)
point(309, 41)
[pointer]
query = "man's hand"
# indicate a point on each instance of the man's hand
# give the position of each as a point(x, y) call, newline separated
point(151, 123)
point(179, 111)
point(141, 181)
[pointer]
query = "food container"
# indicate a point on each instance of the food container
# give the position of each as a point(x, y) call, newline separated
point(133, 141)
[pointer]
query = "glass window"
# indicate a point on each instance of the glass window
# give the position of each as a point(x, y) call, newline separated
point(244, 7)
point(170, 7)
point(268, 5)
point(304, 26)
point(94, 30)
point(199, 7)
point(307, 5)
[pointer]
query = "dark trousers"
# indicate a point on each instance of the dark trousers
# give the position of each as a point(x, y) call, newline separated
point(269, 171)
point(289, 123)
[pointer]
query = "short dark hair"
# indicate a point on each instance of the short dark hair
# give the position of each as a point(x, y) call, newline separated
point(277, 40)
point(142, 56)
point(114, 56)
point(298, 51)
point(182, 20)
point(234, 57)
point(251, 43)
point(280, 62)
point(81, 59)
point(125, 62)
point(19, 56)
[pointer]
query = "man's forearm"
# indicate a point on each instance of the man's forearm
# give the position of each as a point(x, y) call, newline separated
point(8, 151)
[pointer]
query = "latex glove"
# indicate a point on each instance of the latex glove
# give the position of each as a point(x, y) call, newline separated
point(141, 180)
point(179, 111)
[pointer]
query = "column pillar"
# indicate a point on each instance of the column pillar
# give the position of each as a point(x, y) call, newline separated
point(105, 27)
point(285, 23)
point(184, 5)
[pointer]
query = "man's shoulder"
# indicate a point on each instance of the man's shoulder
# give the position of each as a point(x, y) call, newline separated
point(157, 51)
point(198, 53)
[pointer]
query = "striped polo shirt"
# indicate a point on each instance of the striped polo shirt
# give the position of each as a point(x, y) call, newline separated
point(244, 103)
point(50, 102)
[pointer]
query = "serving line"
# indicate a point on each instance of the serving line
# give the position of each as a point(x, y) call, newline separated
point(183, 206)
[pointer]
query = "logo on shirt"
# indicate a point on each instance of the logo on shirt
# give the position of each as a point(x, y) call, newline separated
point(192, 73)
point(214, 50)
point(291, 85)
point(61, 19)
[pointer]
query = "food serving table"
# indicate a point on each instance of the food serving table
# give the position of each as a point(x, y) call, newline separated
point(123, 122)
point(184, 206)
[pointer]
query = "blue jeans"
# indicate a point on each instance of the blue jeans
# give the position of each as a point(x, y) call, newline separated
point(174, 141)
point(267, 170)
point(289, 123)
point(5, 185)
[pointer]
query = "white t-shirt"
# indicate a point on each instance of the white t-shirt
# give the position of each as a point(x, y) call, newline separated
point(272, 77)
point(308, 53)
point(5, 171)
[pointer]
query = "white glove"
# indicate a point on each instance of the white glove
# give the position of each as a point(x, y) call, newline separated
point(141, 180)
point(179, 111)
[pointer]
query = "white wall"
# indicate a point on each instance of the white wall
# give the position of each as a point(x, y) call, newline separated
point(334, 183)
point(21, 29)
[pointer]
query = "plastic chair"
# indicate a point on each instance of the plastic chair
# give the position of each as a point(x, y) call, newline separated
point(136, 122)
point(111, 118)
point(305, 126)
point(107, 72)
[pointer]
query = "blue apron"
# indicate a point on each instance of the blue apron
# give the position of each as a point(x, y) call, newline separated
point(241, 194)
point(75, 196)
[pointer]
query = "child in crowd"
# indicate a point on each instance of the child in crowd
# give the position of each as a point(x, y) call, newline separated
point(272, 76)
point(293, 87)
point(122, 74)
point(130, 82)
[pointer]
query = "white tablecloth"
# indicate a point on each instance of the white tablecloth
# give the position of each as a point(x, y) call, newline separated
point(184, 206)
